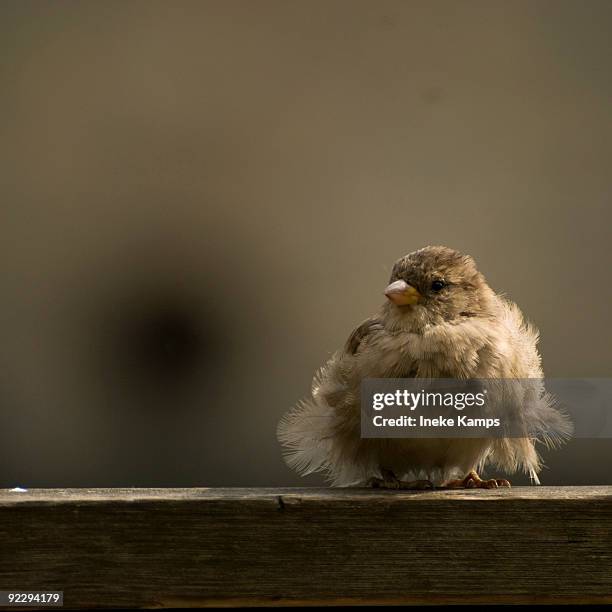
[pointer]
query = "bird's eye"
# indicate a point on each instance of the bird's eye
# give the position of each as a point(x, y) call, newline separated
point(438, 285)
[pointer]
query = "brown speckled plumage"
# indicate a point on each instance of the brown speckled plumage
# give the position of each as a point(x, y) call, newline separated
point(463, 330)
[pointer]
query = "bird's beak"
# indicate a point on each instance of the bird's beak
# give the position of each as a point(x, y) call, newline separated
point(402, 294)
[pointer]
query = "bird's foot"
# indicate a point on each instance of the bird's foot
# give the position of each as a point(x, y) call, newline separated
point(474, 481)
point(390, 481)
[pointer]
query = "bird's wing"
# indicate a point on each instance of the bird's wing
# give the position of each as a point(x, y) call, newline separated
point(360, 333)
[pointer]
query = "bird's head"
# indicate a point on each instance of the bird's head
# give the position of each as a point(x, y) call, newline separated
point(437, 284)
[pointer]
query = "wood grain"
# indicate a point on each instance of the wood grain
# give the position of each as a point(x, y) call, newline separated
point(227, 547)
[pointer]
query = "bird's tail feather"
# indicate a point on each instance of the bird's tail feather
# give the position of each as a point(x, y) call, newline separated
point(304, 433)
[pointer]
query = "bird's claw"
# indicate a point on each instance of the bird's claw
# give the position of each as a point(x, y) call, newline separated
point(492, 483)
point(474, 481)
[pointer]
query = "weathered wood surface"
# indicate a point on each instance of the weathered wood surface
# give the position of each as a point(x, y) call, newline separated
point(182, 547)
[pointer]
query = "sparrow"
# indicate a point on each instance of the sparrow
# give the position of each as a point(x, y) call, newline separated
point(440, 320)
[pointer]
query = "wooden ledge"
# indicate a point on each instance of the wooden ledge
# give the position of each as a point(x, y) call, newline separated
point(225, 547)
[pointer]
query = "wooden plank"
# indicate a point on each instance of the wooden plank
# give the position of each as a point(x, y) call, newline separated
point(225, 547)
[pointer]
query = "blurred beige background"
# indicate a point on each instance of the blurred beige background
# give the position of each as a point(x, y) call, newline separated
point(201, 199)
